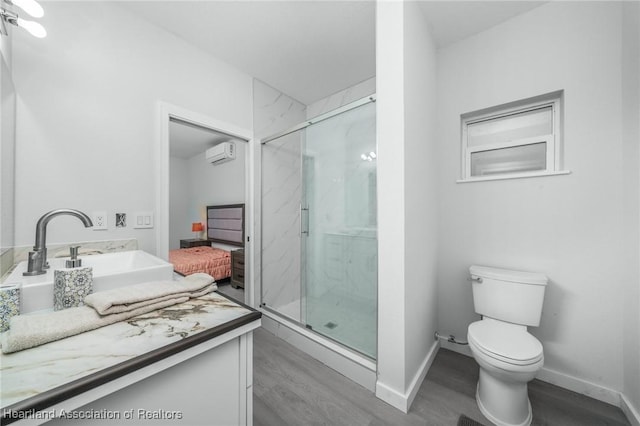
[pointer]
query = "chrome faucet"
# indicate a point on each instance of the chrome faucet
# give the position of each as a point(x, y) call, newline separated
point(38, 257)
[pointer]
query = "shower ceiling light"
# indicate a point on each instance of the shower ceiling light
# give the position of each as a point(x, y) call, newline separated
point(368, 157)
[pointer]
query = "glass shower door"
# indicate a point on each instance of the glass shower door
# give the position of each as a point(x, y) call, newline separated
point(281, 237)
point(339, 229)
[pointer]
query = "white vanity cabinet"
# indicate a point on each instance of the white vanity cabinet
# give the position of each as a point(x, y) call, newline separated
point(190, 364)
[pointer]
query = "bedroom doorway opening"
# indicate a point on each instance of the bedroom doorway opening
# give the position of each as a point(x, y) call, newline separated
point(191, 186)
point(319, 227)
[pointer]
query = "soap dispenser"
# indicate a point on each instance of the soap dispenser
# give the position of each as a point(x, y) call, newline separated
point(73, 261)
point(73, 283)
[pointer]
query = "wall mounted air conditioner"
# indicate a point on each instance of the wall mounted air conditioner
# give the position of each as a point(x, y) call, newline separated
point(221, 153)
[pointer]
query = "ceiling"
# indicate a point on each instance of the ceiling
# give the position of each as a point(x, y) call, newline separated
point(188, 140)
point(453, 20)
point(306, 49)
point(309, 49)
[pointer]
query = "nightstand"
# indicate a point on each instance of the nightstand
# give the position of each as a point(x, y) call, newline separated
point(194, 242)
point(237, 268)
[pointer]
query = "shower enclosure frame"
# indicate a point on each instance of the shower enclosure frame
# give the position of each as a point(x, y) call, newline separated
point(350, 362)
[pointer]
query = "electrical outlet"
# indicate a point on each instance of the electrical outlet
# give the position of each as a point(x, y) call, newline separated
point(99, 220)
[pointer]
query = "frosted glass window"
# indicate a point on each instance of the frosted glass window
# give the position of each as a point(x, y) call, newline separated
point(518, 139)
point(524, 158)
point(511, 127)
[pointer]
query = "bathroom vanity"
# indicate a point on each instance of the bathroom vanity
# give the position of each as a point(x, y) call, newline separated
point(187, 364)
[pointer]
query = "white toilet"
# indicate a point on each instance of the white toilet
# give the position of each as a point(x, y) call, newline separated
point(508, 355)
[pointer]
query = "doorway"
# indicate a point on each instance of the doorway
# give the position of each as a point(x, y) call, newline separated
point(188, 183)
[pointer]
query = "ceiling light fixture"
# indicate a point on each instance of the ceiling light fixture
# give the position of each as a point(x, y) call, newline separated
point(32, 8)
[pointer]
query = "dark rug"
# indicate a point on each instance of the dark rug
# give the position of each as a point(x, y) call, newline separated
point(466, 421)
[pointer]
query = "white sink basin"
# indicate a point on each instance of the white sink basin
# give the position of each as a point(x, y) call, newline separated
point(110, 270)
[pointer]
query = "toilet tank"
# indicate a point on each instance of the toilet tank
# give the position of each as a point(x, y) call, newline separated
point(506, 295)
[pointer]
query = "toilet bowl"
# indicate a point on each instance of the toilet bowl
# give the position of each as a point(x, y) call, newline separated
point(508, 355)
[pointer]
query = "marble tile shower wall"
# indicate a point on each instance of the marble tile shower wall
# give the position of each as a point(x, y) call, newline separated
point(273, 111)
point(353, 93)
point(282, 194)
point(280, 198)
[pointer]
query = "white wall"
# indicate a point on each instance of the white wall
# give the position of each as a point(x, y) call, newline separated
point(88, 121)
point(179, 202)
point(631, 155)
point(7, 146)
point(211, 185)
point(572, 228)
point(391, 382)
point(407, 226)
point(420, 185)
point(7, 154)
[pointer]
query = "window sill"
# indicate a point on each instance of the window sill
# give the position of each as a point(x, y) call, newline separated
point(513, 176)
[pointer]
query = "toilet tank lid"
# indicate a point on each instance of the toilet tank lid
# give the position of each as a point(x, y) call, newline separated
point(509, 275)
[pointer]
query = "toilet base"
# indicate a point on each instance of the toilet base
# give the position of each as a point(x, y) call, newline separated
point(503, 403)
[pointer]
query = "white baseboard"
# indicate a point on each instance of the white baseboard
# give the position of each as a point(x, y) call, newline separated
point(557, 378)
point(414, 387)
point(577, 385)
point(632, 413)
point(363, 372)
point(581, 386)
point(392, 397)
point(403, 401)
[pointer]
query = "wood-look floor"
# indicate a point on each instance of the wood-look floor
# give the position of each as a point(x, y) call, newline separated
point(291, 388)
point(227, 290)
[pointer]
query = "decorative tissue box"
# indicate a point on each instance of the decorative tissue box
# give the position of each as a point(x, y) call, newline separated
point(9, 304)
point(70, 286)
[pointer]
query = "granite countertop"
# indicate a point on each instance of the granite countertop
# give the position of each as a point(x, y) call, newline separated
point(39, 377)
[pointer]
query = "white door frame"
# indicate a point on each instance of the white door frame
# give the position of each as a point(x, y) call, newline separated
point(167, 112)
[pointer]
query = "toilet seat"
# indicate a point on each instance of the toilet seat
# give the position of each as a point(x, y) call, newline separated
point(505, 342)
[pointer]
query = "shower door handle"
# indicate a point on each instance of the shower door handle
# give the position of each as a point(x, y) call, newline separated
point(304, 228)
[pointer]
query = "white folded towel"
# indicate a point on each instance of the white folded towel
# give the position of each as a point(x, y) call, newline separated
point(27, 331)
point(128, 298)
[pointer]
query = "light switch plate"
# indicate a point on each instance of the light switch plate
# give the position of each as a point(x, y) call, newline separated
point(142, 220)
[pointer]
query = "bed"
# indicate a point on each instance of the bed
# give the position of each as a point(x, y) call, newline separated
point(225, 224)
point(213, 261)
